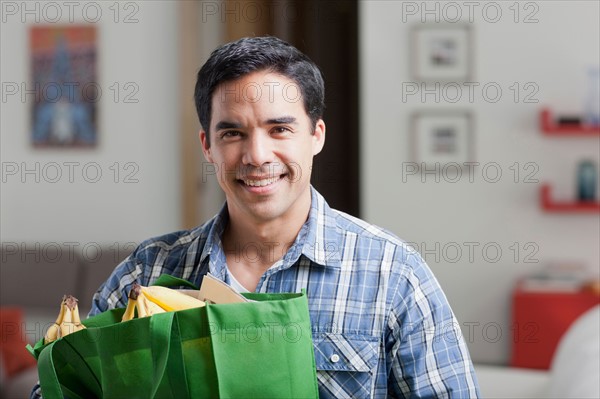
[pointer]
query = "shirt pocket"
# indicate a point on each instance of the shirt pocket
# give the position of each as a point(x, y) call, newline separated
point(346, 364)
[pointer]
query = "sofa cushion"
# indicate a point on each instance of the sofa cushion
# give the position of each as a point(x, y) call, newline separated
point(37, 275)
point(576, 363)
point(510, 382)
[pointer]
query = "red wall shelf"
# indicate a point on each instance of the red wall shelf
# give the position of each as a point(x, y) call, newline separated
point(550, 205)
point(551, 128)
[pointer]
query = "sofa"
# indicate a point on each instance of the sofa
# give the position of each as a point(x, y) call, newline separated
point(33, 279)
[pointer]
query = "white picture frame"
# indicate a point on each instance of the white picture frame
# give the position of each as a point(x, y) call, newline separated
point(440, 138)
point(441, 53)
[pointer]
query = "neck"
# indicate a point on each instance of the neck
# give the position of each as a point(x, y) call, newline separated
point(266, 241)
point(262, 247)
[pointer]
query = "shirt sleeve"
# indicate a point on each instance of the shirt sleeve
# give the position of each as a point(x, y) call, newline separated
point(429, 358)
point(114, 291)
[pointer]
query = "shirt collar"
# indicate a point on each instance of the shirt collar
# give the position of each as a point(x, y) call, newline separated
point(213, 247)
point(324, 239)
point(319, 239)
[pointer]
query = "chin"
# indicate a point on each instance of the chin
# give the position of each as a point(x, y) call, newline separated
point(265, 214)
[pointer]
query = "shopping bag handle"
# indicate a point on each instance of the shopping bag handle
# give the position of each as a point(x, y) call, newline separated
point(48, 378)
point(167, 355)
point(166, 280)
point(49, 382)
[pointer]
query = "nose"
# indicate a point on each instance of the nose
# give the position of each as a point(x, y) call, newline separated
point(258, 149)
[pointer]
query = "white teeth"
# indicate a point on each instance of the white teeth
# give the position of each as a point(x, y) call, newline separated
point(261, 183)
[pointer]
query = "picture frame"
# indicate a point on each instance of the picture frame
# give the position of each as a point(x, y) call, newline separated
point(441, 53)
point(440, 138)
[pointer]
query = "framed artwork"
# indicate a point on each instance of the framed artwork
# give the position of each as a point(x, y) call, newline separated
point(441, 138)
point(63, 67)
point(441, 53)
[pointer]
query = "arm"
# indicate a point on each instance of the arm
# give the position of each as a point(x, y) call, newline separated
point(427, 353)
point(114, 291)
point(153, 257)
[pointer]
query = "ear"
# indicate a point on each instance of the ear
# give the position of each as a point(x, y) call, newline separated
point(318, 137)
point(205, 145)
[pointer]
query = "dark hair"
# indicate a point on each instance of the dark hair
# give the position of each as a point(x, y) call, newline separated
point(236, 59)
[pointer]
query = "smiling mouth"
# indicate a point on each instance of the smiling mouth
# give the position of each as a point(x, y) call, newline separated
point(263, 182)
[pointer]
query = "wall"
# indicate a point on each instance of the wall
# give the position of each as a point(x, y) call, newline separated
point(145, 134)
point(461, 222)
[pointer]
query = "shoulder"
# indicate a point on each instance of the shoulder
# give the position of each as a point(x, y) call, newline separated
point(175, 253)
point(359, 226)
point(375, 251)
point(170, 244)
point(169, 241)
point(174, 241)
point(377, 239)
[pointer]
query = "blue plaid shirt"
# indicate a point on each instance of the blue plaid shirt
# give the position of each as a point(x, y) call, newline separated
point(382, 326)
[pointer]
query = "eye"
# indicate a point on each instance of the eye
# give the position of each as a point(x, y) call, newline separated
point(281, 129)
point(229, 133)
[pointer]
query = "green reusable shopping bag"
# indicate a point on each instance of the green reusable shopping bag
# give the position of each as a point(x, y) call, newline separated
point(260, 349)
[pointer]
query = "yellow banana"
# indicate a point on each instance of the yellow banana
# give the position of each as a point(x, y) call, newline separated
point(151, 307)
point(140, 305)
point(170, 299)
point(77, 326)
point(134, 292)
point(138, 301)
point(67, 321)
point(153, 300)
point(54, 329)
point(70, 322)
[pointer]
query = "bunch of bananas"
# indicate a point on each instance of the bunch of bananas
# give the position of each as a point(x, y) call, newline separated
point(68, 320)
point(146, 300)
point(152, 300)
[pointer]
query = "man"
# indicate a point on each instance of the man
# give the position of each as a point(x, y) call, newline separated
point(381, 325)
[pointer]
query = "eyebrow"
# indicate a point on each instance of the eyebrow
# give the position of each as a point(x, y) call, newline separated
point(282, 120)
point(227, 125)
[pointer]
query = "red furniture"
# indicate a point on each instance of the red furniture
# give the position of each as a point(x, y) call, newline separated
point(539, 319)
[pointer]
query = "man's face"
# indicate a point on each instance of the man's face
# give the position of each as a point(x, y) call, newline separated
point(261, 143)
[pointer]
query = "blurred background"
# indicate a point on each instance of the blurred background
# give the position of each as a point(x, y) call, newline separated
point(469, 129)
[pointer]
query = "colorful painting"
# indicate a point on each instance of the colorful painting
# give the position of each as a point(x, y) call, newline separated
point(63, 67)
